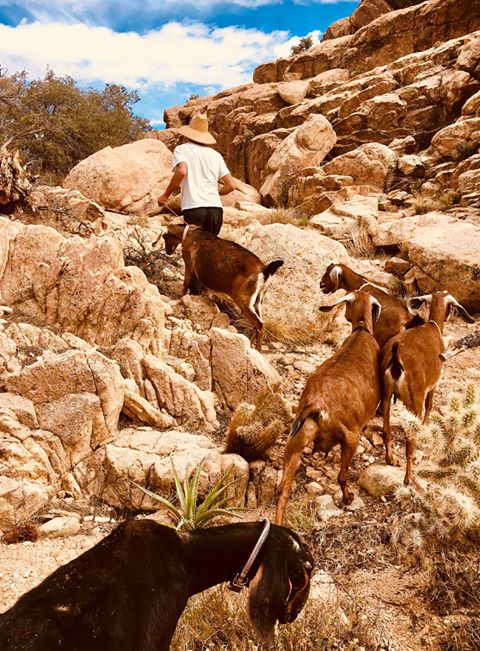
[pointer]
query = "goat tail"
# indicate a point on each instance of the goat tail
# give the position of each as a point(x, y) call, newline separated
point(271, 268)
point(394, 364)
point(307, 412)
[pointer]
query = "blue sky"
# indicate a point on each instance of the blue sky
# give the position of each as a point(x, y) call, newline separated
point(165, 49)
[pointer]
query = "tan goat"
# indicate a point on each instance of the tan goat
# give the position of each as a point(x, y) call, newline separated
point(411, 366)
point(225, 268)
point(339, 398)
point(394, 316)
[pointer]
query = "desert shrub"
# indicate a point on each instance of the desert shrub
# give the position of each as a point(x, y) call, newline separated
point(189, 514)
point(255, 428)
point(305, 43)
point(56, 124)
point(439, 527)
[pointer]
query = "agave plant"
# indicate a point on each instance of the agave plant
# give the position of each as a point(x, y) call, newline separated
point(188, 515)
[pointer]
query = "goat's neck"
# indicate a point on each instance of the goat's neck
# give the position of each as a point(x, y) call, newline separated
point(438, 315)
point(350, 280)
point(216, 555)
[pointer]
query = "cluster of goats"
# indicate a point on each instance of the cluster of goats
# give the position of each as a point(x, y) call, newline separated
point(391, 352)
point(129, 590)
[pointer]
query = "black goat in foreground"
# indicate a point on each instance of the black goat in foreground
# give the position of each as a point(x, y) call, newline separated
point(129, 590)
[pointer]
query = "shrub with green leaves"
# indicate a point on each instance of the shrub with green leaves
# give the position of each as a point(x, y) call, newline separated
point(188, 514)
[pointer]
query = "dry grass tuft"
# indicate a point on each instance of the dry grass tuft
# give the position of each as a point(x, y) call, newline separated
point(21, 533)
point(217, 620)
point(284, 216)
point(360, 245)
point(255, 428)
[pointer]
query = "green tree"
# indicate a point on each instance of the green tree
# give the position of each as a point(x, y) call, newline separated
point(56, 124)
point(305, 43)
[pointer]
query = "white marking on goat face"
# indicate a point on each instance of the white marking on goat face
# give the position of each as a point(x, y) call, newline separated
point(335, 275)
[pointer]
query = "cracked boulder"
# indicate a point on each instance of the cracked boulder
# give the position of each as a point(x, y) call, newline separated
point(145, 456)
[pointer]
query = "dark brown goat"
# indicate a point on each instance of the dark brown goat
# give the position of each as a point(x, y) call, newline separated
point(394, 316)
point(225, 268)
point(128, 591)
point(411, 367)
point(339, 398)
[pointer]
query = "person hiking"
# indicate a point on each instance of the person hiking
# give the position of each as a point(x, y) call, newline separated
point(201, 174)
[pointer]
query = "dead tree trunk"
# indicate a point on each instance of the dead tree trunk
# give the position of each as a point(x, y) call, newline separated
point(460, 345)
point(15, 183)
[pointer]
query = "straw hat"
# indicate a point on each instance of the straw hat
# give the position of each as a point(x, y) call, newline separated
point(197, 130)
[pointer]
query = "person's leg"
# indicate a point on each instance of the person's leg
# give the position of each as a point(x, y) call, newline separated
point(197, 217)
point(213, 220)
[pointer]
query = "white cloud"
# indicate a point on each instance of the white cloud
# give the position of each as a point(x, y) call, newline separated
point(192, 53)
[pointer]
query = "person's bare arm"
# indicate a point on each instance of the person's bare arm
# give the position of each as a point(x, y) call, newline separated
point(226, 184)
point(178, 175)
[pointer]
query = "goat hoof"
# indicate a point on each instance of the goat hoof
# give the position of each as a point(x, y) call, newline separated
point(348, 498)
point(392, 460)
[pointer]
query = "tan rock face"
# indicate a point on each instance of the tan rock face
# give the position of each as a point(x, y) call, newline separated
point(306, 146)
point(239, 373)
point(73, 372)
point(291, 304)
point(372, 164)
point(80, 286)
point(68, 211)
point(436, 246)
point(144, 456)
point(126, 179)
point(457, 140)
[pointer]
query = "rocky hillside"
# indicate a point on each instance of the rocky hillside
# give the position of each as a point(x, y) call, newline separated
point(362, 150)
point(379, 121)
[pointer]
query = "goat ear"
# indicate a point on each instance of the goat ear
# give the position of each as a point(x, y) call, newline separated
point(348, 298)
point(417, 302)
point(268, 596)
point(460, 309)
point(335, 275)
point(376, 310)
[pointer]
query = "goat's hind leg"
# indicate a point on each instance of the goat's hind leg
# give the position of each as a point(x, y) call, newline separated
point(291, 460)
point(348, 450)
point(390, 458)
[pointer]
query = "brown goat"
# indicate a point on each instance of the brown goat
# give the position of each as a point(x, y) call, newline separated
point(410, 366)
point(225, 268)
point(339, 398)
point(394, 316)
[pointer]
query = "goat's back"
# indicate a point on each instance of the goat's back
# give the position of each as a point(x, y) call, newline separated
point(221, 265)
point(393, 317)
point(346, 387)
point(418, 352)
point(113, 597)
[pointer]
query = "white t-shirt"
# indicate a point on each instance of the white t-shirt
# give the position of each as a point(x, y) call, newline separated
point(205, 167)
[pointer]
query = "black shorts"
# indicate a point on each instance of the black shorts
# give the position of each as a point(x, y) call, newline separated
point(210, 219)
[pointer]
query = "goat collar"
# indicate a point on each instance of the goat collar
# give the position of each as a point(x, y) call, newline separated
point(438, 327)
point(185, 231)
point(241, 579)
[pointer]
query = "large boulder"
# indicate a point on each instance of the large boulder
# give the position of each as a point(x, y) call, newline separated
point(306, 146)
point(68, 211)
point(126, 179)
point(55, 412)
point(436, 245)
point(240, 373)
point(78, 285)
point(372, 164)
point(145, 456)
point(291, 303)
